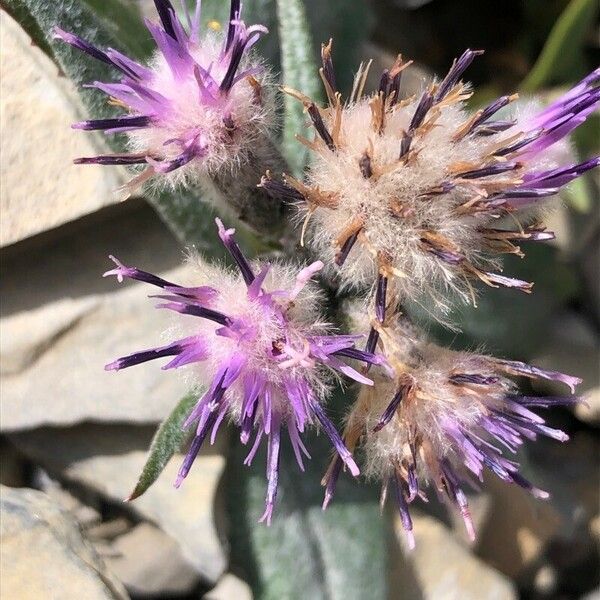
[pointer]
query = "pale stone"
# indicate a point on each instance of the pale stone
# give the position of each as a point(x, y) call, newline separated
point(62, 322)
point(109, 460)
point(43, 554)
point(40, 186)
point(149, 563)
point(518, 528)
point(230, 587)
point(440, 567)
point(60, 376)
point(588, 411)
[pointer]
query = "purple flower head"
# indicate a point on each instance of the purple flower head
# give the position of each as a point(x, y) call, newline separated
point(260, 348)
point(415, 190)
point(442, 420)
point(196, 108)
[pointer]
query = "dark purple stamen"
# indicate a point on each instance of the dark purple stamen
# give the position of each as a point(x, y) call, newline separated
point(474, 378)
point(490, 170)
point(454, 74)
point(452, 258)
point(372, 341)
point(195, 446)
point(519, 193)
point(328, 71)
point(166, 12)
point(490, 110)
point(332, 479)
point(317, 120)
point(546, 401)
point(362, 355)
point(380, 297)
point(494, 127)
point(116, 123)
point(405, 143)
point(281, 190)
point(199, 311)
point(144, 276)
point(342, 255)
point(236, 253)
point(384, 83)
point(390, 411)
point(333, 435)
point(82, 45)
point(234, 14)
point(402, 506)
point(519, 144)
point(425, 103)
point(144, 356)
point(112, 159)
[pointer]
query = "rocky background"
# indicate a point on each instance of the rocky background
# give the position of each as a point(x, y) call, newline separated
point(74, 438)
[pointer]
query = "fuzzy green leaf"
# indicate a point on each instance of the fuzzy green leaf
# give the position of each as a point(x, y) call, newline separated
point(168, 439)
point(299, 72)
point(337, 554)
point(560, 58)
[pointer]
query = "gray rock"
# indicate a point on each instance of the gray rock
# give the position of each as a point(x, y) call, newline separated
point(42, 189)
point(230, 587)
point(109, 459)
point(61, 323)
point(43, 554)
point(87, 516)
point(441, 568)
point(518, 527)
point(574, 348)
point(150, 563)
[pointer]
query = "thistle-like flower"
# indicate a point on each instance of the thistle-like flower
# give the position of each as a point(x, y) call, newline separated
point(258, 342)
point(441, 420)
point(415, 189)
point(200, 112)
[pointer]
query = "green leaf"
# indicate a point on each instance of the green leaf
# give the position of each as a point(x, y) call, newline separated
point(168, 439)
point(508, 322)
point(337, 554)
point(560, 59)
point(299, 72)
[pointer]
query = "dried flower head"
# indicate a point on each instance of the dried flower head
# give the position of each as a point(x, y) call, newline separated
point(415, 189)
point(442, 419)
point(261, 346)
point(199, 112)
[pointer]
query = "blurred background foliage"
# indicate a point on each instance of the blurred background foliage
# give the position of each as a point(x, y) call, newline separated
point(533, 46)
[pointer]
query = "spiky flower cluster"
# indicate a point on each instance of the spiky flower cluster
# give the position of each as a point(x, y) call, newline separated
point(260, 345)
point(441, 419)
point(417, 189)
point(408, 198)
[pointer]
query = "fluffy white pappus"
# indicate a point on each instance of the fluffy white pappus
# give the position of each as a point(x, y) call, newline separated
point(303, 319)
point(421, 190)
point(425, 412)
point(230, 131)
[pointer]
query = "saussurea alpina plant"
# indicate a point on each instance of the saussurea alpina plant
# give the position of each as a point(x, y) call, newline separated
point(261, 346)
point(425, 192)
point(441, 419)
point(201, 112)
point(406, 200)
